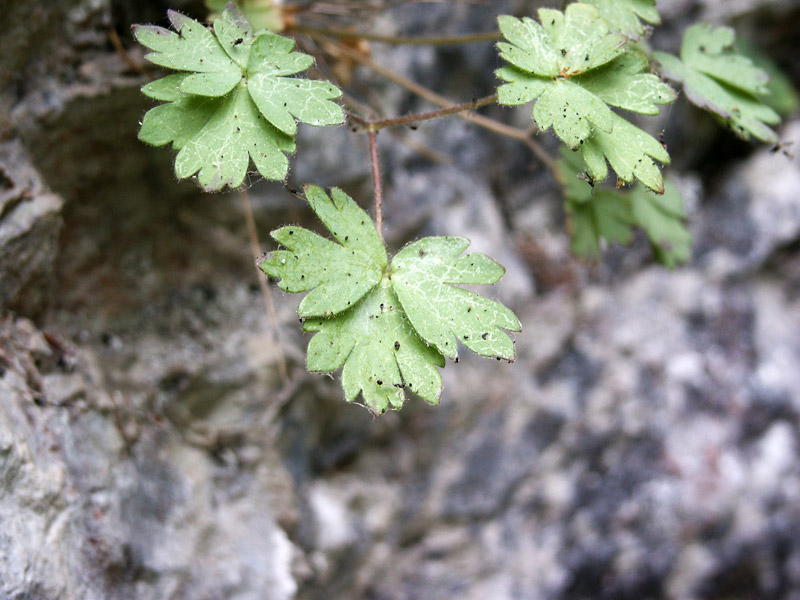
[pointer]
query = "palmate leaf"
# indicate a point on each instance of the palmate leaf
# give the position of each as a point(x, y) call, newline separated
point(624, 15)
point(720, 81)
point(544, 57)
point(575, 68)
point(216, 138)
point(233, 100)
point(388, 324)
point(598, 215)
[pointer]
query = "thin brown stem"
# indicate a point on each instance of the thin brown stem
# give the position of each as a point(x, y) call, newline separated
point(123, 54)
point(376, 179)
point(262, 282)
point(344, 34)
point(434, 98)
point(426, 116)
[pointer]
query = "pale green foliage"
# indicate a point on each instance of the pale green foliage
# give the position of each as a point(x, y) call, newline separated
point(630, 151)
point(381, 353)
point(574, 68)
point(233, 101)
point(389, 325)
point(339, 274)
point(424, 275)
point(624, 15)
point(717, 79)
point(597, 214)
point(624, 83)
point(783, 96)
point(662, 216)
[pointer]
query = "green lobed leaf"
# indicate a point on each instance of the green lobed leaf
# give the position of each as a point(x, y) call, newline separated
point(594, 214)
point(709, 50)
point(600, 214)
point(216, 137)
point(574, 68)
point(782, 95)
point(388, 325)
point(544, 56)
point(571, 111)
point(425, 275)
point(381, 353)
point(630, 151)
point(624, 15)
point(233, 101)
point(722, 82)
point(563, 45)
point(339, 274)
point(662, 217)
point(191, 47)
point(625, 84)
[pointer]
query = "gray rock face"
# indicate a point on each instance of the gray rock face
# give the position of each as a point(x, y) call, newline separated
point(30, 220)
point(643, 445)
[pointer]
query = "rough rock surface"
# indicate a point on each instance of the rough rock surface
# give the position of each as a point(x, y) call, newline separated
point(644, 444)
point(30, 219)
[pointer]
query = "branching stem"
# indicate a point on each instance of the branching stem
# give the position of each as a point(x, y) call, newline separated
point(426, 116)
point(434, 98)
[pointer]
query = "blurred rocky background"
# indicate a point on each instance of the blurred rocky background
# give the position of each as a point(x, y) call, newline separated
point(643, 445)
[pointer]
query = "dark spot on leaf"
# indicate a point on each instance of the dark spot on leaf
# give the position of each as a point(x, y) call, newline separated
point(563, 52)
point(484, 336)
point(397, 345)
point(379, 382)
